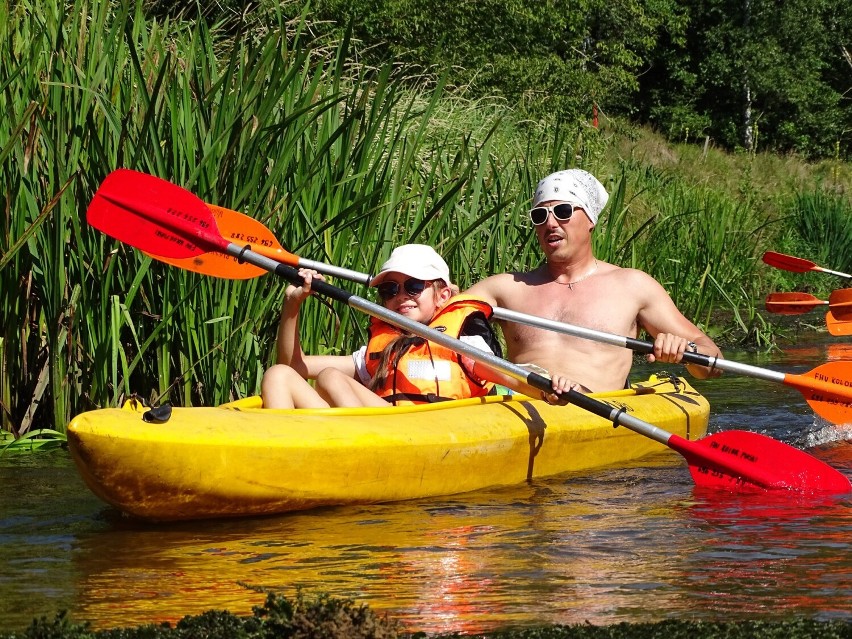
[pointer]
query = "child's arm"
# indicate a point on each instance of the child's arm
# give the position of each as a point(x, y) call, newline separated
point(289, 346)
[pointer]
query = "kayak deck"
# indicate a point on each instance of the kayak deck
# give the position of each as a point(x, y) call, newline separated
point(239, 459)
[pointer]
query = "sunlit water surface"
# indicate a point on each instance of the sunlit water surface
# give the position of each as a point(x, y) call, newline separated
point(632, 544)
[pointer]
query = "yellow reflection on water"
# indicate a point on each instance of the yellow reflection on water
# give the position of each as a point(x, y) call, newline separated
point(467, 564)
point(634, 544)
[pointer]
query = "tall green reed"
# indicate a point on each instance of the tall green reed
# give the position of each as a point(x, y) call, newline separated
point(326, 155)
point(702, 246)
point(824, 220)
point(816, 224)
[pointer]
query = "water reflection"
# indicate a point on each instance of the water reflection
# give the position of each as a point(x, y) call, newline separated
point(777, 554)
point(638, 543)
point(458, 564)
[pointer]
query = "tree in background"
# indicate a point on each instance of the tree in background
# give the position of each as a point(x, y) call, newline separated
point(550, 59)
point(758, 74)
point(751, 74)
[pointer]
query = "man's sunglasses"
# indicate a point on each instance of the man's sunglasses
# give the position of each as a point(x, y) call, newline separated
point(412, 286)
point(562, 213)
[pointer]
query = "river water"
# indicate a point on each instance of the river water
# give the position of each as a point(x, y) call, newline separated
point(632, 544)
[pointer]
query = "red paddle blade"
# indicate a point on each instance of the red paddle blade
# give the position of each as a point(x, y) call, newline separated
point(836, 326)
point(737, 460)
point(787, 262)
point(792, 303)
point(840, 304)
point(154, 215)
point(241, 230)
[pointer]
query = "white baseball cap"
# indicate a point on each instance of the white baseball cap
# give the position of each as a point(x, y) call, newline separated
point(415, 260)
point(576, 186)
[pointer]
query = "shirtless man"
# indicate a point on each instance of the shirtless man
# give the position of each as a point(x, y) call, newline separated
point(574, 287)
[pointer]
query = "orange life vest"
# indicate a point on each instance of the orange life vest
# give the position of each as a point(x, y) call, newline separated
point(422, 371)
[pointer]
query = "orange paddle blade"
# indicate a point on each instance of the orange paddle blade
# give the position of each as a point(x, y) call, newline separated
point(839, 350)
point(792, 303)
point(797, 264)
point(828, 390)
point(836, 326)
point(788, 262)
point(840, 304)
point(242, 230)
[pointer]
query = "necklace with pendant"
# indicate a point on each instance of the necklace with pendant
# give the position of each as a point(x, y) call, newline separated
point(570, 285)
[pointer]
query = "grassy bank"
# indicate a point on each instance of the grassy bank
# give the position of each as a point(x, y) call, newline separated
point(342, 162)
point(329, 618)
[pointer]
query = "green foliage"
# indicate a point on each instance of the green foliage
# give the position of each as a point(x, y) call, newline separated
point(817, 226)
point(42, 439)
point(782, 61)
point(319, 617)
point(824, 220)
point(324, 617)
point(550, 60)
point(690, 629)
point(691, 69)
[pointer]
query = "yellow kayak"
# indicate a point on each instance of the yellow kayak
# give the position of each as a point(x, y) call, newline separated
point(239, 459)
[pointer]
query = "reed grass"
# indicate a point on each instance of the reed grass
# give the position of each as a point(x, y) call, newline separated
point(824, 220)
point(342, 162)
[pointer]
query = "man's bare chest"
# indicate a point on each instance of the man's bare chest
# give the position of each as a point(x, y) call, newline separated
point(591, 308)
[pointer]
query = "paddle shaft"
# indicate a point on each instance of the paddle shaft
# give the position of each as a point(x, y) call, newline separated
point(712, 459)
point(637, 345)
point(514, 371)
point(807, 304)
point(792, 303)
point(184, 227)
point(834, 388)
point(579, 331)
point(838, 273)
point(599, 336)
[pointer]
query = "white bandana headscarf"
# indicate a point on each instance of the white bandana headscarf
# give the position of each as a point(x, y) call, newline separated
point(576, 186)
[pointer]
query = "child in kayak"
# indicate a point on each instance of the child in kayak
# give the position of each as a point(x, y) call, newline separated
point(393, 368)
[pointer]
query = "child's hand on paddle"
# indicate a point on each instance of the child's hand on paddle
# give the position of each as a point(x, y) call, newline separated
point(298, 294)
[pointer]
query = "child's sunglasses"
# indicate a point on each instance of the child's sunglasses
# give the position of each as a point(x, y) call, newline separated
point(412, 286)
point(562, 213)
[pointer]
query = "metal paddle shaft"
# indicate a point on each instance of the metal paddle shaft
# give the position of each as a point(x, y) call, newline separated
point(735, 461)
point(187, 228)
point(827, 388)
point(140, 192)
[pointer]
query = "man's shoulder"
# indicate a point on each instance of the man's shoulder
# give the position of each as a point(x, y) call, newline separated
point(632, 276)
point(501, 280)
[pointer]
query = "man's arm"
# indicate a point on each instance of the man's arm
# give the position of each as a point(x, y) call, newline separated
point(672, 332)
